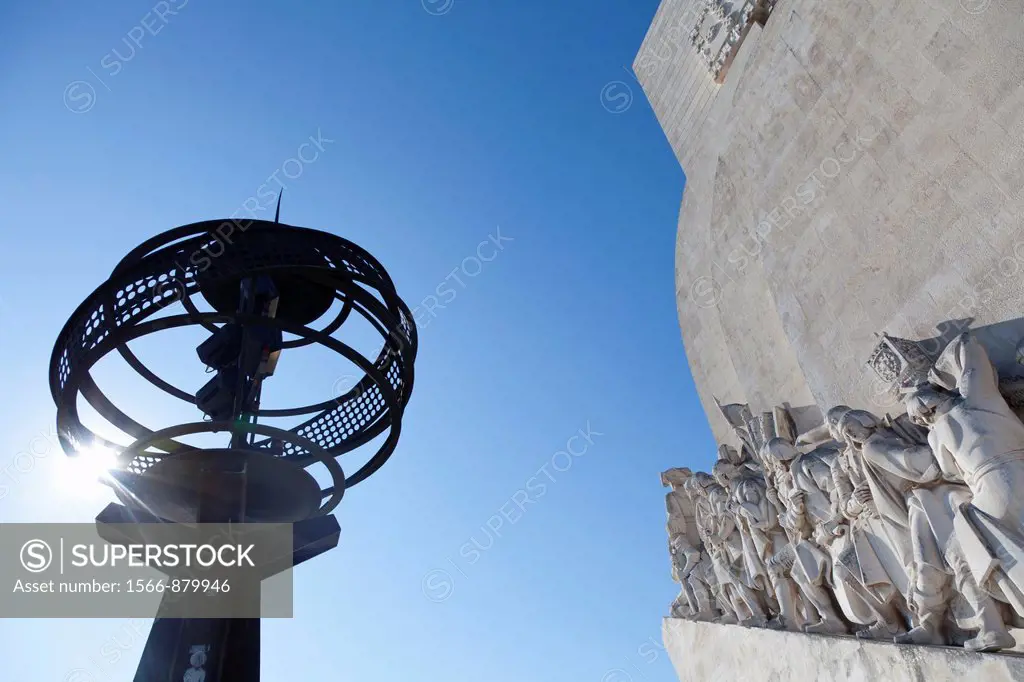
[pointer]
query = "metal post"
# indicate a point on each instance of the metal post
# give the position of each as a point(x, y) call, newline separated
point(207, 649)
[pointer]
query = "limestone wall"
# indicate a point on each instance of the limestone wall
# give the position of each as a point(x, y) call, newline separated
point(706, 652)
point(860, 170)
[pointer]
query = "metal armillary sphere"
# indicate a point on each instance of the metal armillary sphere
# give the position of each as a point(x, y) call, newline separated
point(264, 285)
point(310, 269)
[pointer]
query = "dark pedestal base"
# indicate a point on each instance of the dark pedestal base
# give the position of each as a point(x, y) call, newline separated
point(201, 650)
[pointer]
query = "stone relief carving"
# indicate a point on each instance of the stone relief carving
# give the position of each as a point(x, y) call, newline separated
point(899, 363)
point(908, 529)
point(719, 26)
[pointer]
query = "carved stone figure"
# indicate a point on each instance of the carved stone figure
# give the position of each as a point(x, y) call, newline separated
point(696, 487)
point(717, 525)
point(763, 538)
point(974, 433)
point(805, 504)
point(883, 523)
point(680, 513)
point(696, 579)
point(875, 553)
point(929, 503)
point(690, 565)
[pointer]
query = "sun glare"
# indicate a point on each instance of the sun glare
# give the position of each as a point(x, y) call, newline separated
point(90, 466)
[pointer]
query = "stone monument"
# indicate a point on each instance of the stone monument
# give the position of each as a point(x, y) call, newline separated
point(850, 286)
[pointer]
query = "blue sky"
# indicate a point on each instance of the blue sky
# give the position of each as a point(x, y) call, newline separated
point(440, 125)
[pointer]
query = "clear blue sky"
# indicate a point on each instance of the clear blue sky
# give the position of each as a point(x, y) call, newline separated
point(447, 122)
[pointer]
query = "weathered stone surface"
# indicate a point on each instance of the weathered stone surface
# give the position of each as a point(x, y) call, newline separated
point(861, 169)
point(905, 529)
point(857, 170)
point(707, 652)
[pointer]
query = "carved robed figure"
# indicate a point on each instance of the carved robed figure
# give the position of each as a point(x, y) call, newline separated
point(908, 528)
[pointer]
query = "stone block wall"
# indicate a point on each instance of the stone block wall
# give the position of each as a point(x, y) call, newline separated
point(860, 170)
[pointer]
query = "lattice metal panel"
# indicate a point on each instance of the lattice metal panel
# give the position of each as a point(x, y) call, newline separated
point(179, 264)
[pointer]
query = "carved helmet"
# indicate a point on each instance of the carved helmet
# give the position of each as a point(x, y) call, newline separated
point(700, 482)
point(723, 471)
point(922, 400)
point(856, 425)
point(676, 476)
point(834, 418)
point(779, 449)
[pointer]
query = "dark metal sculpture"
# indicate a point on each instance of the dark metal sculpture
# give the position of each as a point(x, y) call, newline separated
point(266, 283)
